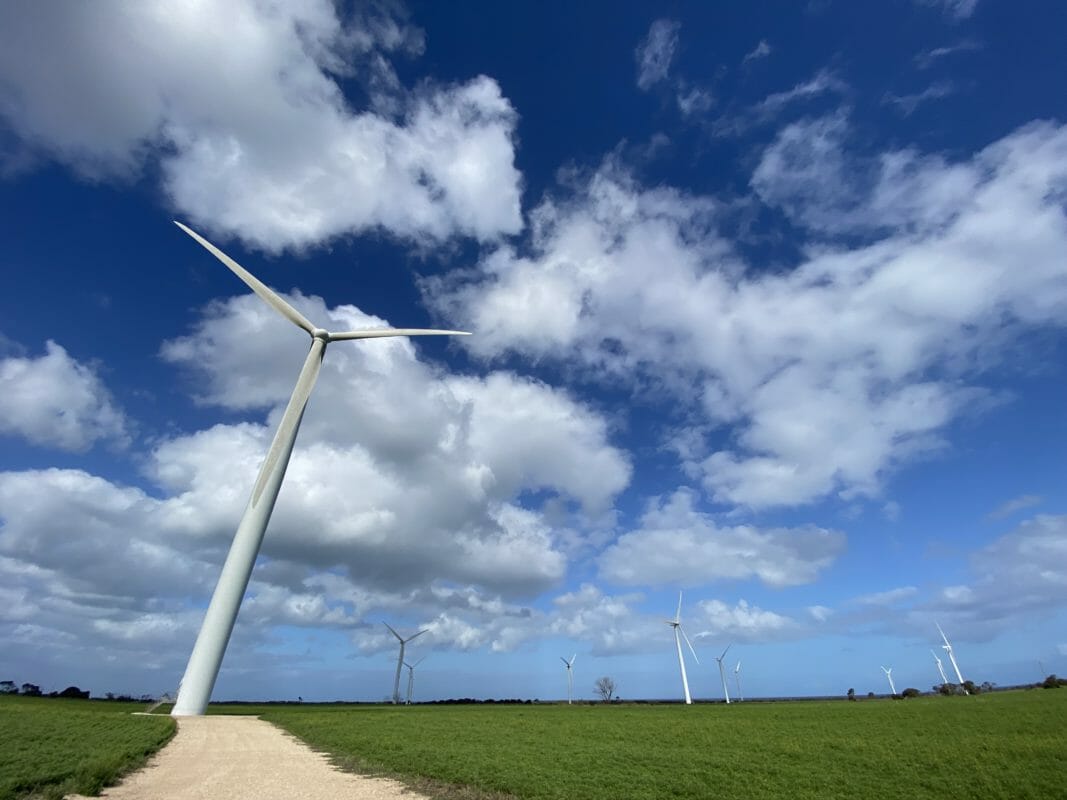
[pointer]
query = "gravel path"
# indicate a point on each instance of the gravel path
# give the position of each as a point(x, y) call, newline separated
point(245, 758)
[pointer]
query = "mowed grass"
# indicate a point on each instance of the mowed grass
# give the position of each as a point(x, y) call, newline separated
point(51, 747)
point(1002, 745)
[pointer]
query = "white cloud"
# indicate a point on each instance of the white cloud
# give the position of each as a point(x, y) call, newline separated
point(742, 622)
point(655, 53)
point(929, 57)
point(675, 544)
point(953, 9)
point(831, 374)
point(772, 107)
point(240, 102)
point(1009, 507)
point(761, 50)
point(909, 102)
point(56, 401)
point(888, 597)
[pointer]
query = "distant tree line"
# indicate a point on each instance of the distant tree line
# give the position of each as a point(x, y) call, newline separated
point(71, 692)
point(33, 690)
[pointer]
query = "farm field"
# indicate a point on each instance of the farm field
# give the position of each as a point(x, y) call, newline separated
point(1001, 745)
point(49, 747)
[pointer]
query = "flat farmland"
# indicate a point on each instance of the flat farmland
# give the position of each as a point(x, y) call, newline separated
point(1000, 745)
point(50, 747)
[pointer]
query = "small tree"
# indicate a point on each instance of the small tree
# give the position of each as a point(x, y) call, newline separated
point(605, 688)
point(910, 692)
point(852, 695)
point(31, 690)
point(8, 687)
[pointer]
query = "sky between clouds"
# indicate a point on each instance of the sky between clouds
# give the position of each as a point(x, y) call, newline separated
point(759, 316)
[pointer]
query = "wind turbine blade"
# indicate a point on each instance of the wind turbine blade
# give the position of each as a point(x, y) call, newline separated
point(420, 633)
point(691, 650)
point(561, 658)
point(942, 635)
point(738, 667)
point(294, 412)
point(678, 614)
point(418, 662)
point(573, 659)
point(727, 650)
point(390, 627)
point(380, 333)
point(257, 286)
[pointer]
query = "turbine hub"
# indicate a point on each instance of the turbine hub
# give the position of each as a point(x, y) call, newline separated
point(320, 333)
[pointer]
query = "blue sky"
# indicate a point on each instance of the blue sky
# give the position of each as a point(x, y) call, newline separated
point(767, 307)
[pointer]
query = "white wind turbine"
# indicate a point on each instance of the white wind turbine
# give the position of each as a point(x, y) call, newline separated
point(194, 691)
point(570, 676)
point(722, 673)
point(941, 669)
point(679, 634)
point(400, 659)
point(411, 675)
point(889, 675)
point(737, 680)
point(951, 656)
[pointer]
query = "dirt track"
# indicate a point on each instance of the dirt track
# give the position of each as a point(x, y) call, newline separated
point(244, 758)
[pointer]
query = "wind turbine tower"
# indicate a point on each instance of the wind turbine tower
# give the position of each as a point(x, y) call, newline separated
point(570, 676)
point(411, 676)
point(737, 680)
point(889, 675)
point(400, 659)
point(196, 685)
point(941, 669)
point(722, 673)
point(679, 634)
point(951, 656)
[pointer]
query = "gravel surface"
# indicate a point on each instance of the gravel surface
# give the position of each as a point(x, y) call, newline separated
point(245, 758)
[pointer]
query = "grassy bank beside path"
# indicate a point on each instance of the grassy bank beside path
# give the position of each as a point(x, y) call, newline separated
point(51, 747)
point(1000, 745)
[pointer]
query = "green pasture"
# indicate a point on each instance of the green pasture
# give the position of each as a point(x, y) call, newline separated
point(1001, 745)
point(50, 747)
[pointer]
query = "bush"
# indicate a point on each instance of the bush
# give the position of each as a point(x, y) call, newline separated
point(910, 692)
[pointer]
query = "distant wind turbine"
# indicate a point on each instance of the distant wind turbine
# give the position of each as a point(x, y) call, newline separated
point(941, 669)
point(951, 656)
point(194, 691)
point(722, 673)
point(570, 676)
point(679, 634)
point(737, 679)
point(400, 659)
point(411, 675)
point(889, 674)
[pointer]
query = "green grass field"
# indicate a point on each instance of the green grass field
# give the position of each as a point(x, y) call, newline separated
point(1002, 745)
point(50, 747)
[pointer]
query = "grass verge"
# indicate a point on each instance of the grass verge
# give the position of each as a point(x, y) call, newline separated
point(51, 747)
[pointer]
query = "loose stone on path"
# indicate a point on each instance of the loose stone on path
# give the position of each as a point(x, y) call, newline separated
point(245, 758)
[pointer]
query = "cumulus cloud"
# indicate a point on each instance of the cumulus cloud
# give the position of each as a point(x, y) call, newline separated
point(240, 104)
point(831, 374)
point(676, 544)
point(655, 53)
point(56, 401)
point(742, 622)
point(408, 491)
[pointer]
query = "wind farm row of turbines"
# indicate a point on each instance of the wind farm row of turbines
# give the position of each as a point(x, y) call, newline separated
point(947, 647)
